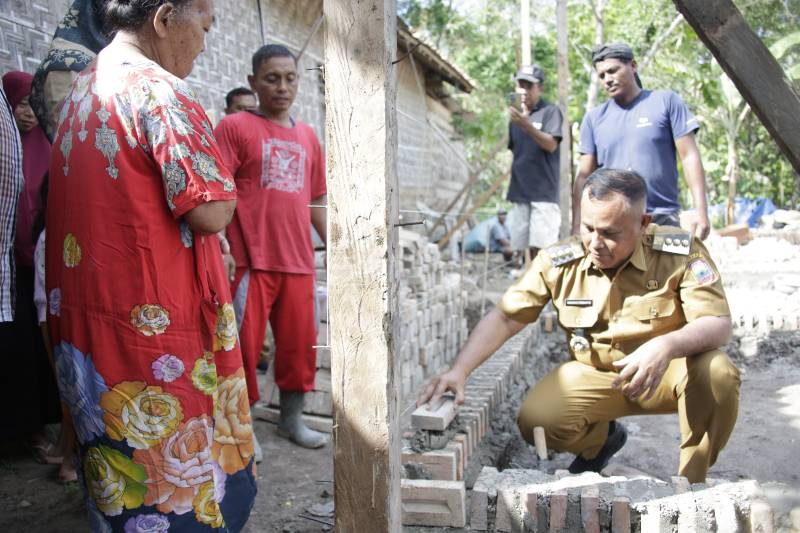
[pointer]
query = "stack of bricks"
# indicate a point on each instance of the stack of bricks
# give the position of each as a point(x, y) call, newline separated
point(530, 500)
point(431, 329)
point(431, 323)
point(440, 498)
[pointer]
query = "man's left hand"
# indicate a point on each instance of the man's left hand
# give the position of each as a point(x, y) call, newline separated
point(703, 226)
point(520, 118)
point(641, 371)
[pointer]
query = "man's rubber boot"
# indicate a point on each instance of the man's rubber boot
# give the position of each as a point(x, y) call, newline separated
point(291, 425)
point(617, 435)
point(258, 454)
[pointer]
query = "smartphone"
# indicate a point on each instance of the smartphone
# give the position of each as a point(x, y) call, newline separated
point(515, 101)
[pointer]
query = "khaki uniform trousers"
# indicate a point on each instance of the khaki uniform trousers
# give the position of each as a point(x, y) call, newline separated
point(575, 402)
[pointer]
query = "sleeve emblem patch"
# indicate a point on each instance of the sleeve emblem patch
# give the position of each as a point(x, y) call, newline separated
point(703, 272)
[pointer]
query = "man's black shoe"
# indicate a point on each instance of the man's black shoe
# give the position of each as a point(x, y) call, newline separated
point(614, 443)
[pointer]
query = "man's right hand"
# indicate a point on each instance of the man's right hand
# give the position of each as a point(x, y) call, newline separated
point(452, 380)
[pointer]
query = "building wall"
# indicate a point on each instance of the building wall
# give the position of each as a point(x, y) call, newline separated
point(428, 170)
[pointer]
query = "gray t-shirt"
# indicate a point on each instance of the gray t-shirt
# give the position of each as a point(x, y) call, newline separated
point(534, 172)
point(641, 136)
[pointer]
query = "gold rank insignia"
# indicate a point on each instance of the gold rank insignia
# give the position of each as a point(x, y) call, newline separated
point(566, 251)
point(652, 284)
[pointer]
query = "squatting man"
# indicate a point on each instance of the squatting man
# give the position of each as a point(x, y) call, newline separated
point(646, 314)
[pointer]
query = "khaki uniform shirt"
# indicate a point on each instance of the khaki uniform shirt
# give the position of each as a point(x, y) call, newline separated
point(668, 281)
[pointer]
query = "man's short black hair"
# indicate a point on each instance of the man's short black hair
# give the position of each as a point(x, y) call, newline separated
point(239, 91)
point(268, 51)
point(605, 181)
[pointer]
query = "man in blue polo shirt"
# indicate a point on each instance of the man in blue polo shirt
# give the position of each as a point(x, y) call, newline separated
point(644, 131)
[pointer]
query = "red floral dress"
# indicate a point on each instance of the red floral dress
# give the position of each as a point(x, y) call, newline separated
point(144, 335)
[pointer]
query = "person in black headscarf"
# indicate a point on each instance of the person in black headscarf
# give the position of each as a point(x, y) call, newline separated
point(79, 37)
point(642, 130)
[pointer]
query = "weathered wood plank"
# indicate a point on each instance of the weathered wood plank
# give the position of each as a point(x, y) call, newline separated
point(361, 143)
point(751, 67)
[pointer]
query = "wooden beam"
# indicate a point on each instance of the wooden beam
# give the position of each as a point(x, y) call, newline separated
point(565, 148)
point(525, 30)
point(473, 178)
point(480, 202)
point(751, 67)
point(361, 141)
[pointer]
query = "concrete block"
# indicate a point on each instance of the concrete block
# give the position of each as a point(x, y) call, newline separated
point(441, 464)
point(689, 517)
point(621, 515)
point(458, 448)
point(462, 438)
point(680, 484)
point(437, 417)
point(558, 511)
point(794, 518)
point(533, 508)
point(761, 518)
point(471, 434)
point(725, 518)
point(483, 417)
point(590, 503)
point(483, 490)
point(509, 510)
point(472, 422)
point(652, 519)
point(433, 503)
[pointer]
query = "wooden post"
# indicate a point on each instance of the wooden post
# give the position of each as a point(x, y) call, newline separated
point(751, 67)
point(525, 28)
point(565, 150)
point(361, 138)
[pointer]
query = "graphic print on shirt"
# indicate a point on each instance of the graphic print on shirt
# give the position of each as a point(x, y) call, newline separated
point(282, 165)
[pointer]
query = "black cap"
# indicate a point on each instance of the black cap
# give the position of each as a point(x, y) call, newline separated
point(620, 51)
point(531, 73)
point(612, 51)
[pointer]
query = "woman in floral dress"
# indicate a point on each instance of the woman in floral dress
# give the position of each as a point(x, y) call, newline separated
point(140, 312)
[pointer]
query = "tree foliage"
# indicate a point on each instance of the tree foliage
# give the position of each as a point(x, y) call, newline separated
point(482, 38)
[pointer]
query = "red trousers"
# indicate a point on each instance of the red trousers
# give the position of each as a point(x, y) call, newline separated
point(286, 301)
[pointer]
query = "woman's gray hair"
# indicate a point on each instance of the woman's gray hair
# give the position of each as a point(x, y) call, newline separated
point(130, 15)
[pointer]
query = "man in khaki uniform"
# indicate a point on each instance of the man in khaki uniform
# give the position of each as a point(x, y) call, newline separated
point(645, 312)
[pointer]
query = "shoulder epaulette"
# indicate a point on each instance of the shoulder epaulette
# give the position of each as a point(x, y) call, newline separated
point(565, 251)
point(668, 239)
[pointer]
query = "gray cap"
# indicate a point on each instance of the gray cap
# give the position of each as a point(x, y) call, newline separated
point(612, 51)
point(531, 73)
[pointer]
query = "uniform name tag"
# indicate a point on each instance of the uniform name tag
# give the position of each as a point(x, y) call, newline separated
point(579, 303)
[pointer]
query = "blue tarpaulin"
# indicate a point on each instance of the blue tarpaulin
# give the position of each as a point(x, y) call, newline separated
point(745, 211)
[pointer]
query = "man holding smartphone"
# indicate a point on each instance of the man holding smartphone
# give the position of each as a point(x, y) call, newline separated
point(533, 138)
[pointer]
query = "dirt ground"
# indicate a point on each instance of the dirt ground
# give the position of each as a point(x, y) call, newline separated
point(294, 482)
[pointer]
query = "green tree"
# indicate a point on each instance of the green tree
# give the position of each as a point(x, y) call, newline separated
point(482, 38)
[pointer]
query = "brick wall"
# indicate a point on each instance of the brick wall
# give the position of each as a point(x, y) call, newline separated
point(428, 170)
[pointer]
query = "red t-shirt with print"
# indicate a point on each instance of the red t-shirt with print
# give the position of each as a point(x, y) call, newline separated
point(278, 171)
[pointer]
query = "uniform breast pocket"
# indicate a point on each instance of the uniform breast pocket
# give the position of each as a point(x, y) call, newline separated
point(577, 317)
point(659, 313)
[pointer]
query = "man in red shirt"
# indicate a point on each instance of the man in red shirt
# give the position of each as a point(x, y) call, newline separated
point(279, 170)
